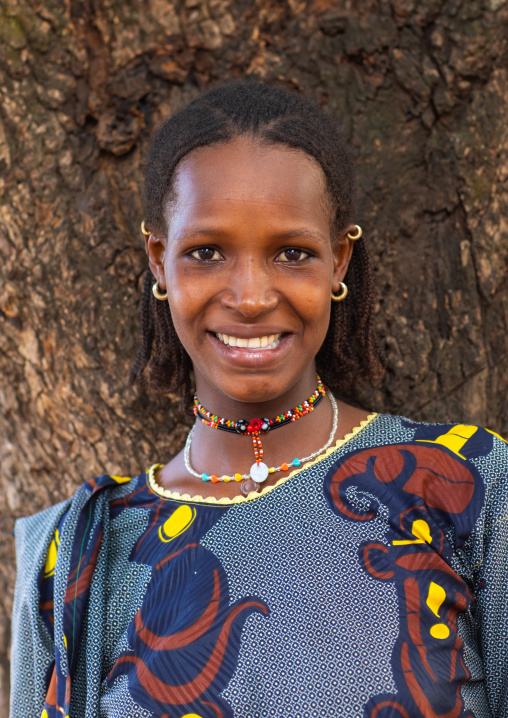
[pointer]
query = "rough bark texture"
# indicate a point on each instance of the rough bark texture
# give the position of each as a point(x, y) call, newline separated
point(420, 87)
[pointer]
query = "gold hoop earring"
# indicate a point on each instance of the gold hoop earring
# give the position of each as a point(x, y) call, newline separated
point(144, 229)
point(158, 294)
point(342, 295)
point(356, 236)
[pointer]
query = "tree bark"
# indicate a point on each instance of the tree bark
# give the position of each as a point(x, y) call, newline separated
point(420, 88)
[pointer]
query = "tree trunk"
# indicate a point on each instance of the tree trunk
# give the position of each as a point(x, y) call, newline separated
point(420, 87)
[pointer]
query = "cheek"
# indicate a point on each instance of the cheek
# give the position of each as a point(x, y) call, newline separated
point(188, 298)
point(180, 295)
point(181, 305)
point(313, 301)
point(321, 325)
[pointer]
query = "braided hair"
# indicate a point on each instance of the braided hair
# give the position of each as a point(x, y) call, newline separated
point(271, 115)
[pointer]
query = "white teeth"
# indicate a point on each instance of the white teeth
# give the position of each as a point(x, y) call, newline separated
point(266, 342)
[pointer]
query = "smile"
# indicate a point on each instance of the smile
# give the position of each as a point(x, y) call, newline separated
point(268, 342)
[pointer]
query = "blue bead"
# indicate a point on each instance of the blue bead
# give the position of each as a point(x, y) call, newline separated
point(206, 477)
point(296, 462)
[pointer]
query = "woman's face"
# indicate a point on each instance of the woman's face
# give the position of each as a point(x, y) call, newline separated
point(249, 265)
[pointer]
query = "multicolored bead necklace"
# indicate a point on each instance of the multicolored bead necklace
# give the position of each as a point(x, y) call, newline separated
point(258, 426)
point(260, 471)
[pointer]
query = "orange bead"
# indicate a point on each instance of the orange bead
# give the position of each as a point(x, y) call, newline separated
point(215, 478)
point(284, 467)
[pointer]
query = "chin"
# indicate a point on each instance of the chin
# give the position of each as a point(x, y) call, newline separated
point(253, 391)
point(288, 380)
point(261, 389)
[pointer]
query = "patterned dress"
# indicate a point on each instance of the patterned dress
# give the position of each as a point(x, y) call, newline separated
point(372, 582)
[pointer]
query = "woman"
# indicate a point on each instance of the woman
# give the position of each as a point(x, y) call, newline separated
point(300, 556)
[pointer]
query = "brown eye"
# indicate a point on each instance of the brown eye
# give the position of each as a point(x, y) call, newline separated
point(206, 254)
point(292, 255)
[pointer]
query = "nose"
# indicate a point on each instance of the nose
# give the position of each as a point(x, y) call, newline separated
point(250, 290)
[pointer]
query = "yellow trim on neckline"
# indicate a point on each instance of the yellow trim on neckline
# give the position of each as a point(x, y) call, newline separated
point(226, 501)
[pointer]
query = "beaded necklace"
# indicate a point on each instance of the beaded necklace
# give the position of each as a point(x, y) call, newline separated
point(259, 426)
point(259, 471)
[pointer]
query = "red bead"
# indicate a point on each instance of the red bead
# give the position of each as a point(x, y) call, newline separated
point(255, 425)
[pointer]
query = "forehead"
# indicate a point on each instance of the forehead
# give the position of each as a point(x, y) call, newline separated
point(247, 171)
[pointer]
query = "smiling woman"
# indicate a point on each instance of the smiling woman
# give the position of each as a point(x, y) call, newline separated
point(301, 556)
point(244, 203)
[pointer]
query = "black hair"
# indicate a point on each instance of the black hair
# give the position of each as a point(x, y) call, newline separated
point(272, 115)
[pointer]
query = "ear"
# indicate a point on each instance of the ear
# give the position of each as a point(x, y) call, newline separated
point(342, 249)
point(155, 247)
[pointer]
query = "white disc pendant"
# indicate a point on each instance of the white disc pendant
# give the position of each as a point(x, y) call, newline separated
point(259, 472)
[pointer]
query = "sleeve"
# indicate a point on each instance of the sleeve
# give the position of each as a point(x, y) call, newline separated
point(491, 580)
point(33, 651)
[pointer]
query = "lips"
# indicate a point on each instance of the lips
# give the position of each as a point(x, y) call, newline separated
point(253, 357)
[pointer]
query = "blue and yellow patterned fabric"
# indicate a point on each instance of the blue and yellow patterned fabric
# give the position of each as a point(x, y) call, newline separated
point(371, 583)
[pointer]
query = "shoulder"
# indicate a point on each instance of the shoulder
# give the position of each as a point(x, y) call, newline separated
point(33, 535)
point(431, 457)
point(449, 454)
point(467, 442)
point(448, 475)
point(477, 445)
point(40, 537)
point(39, 528)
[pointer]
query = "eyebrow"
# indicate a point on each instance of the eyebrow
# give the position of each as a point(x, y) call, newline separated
point(289, 234)
point(302, 232)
